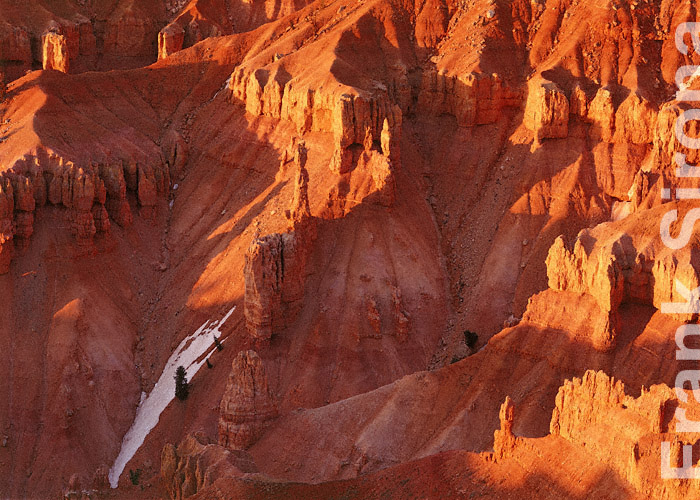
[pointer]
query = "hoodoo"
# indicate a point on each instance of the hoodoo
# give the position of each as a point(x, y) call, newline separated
point(432, 249)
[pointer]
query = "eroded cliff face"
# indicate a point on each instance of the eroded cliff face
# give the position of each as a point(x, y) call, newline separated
point(619, 263)
point(196, 464)
point(588, 409)
point(90, 196)
point(365, 181)
point(81, 36)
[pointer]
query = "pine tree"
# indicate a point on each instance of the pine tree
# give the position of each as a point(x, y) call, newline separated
point(182, 388)
point(217, 342)
point(470, 338)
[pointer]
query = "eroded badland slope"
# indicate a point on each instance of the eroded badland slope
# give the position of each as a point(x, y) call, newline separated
point(341, 189)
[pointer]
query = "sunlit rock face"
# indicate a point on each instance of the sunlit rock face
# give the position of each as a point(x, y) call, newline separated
point(436, 226)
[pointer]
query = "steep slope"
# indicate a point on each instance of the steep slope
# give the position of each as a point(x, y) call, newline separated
point(80, 36)
point(201, 19)
point(363, 181)
point(596, 456)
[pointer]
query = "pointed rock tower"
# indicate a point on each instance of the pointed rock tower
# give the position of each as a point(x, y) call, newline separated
point(247, 407)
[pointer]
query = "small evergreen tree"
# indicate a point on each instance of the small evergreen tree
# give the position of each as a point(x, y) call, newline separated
point(135, 476)
point(217, 342)
point(470, 338)
point(182, 388)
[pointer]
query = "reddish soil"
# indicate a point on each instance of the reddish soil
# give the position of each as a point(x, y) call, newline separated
point(450, 146)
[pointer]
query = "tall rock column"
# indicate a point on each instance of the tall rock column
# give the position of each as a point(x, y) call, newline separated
point(275, 264)
point(55, 51)
point(504, 440)
point(300, 211)
point(247, 407)
point(264, 274)
point(170, 40)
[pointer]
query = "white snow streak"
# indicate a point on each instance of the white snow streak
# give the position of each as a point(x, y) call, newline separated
point(150, 408)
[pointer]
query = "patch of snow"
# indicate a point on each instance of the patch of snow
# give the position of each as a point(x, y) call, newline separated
point(151, 406)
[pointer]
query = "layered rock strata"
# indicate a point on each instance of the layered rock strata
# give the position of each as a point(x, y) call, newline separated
point(472, 98)
point(623, 432)
point(247, 407)
point(547, 110)
point(55, 51)
point(614, 264)
point(195, 464)
point(92, 195)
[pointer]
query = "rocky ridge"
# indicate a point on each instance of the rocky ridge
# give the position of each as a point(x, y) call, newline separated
point(91, 196)
point(559, 137)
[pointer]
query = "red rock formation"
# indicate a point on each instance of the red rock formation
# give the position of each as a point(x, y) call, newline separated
point(80, 36)
point(504, 441)
point(16, 50)
point(275, 265)
point(247, 407)
point(565, 271)
point(624, 261)
point(300, 212)
point(578, 104)
point(55, 52)
point(90, 195)
point(170, 40)
point(601, 112)
point(547, 110)
point(440, 218)
point(635, 120)
point(264, 274)
point(202, 19)
point(349, 117)
point(582, 403)
point(472, 98)
point(626, 433)
point(195, 464)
